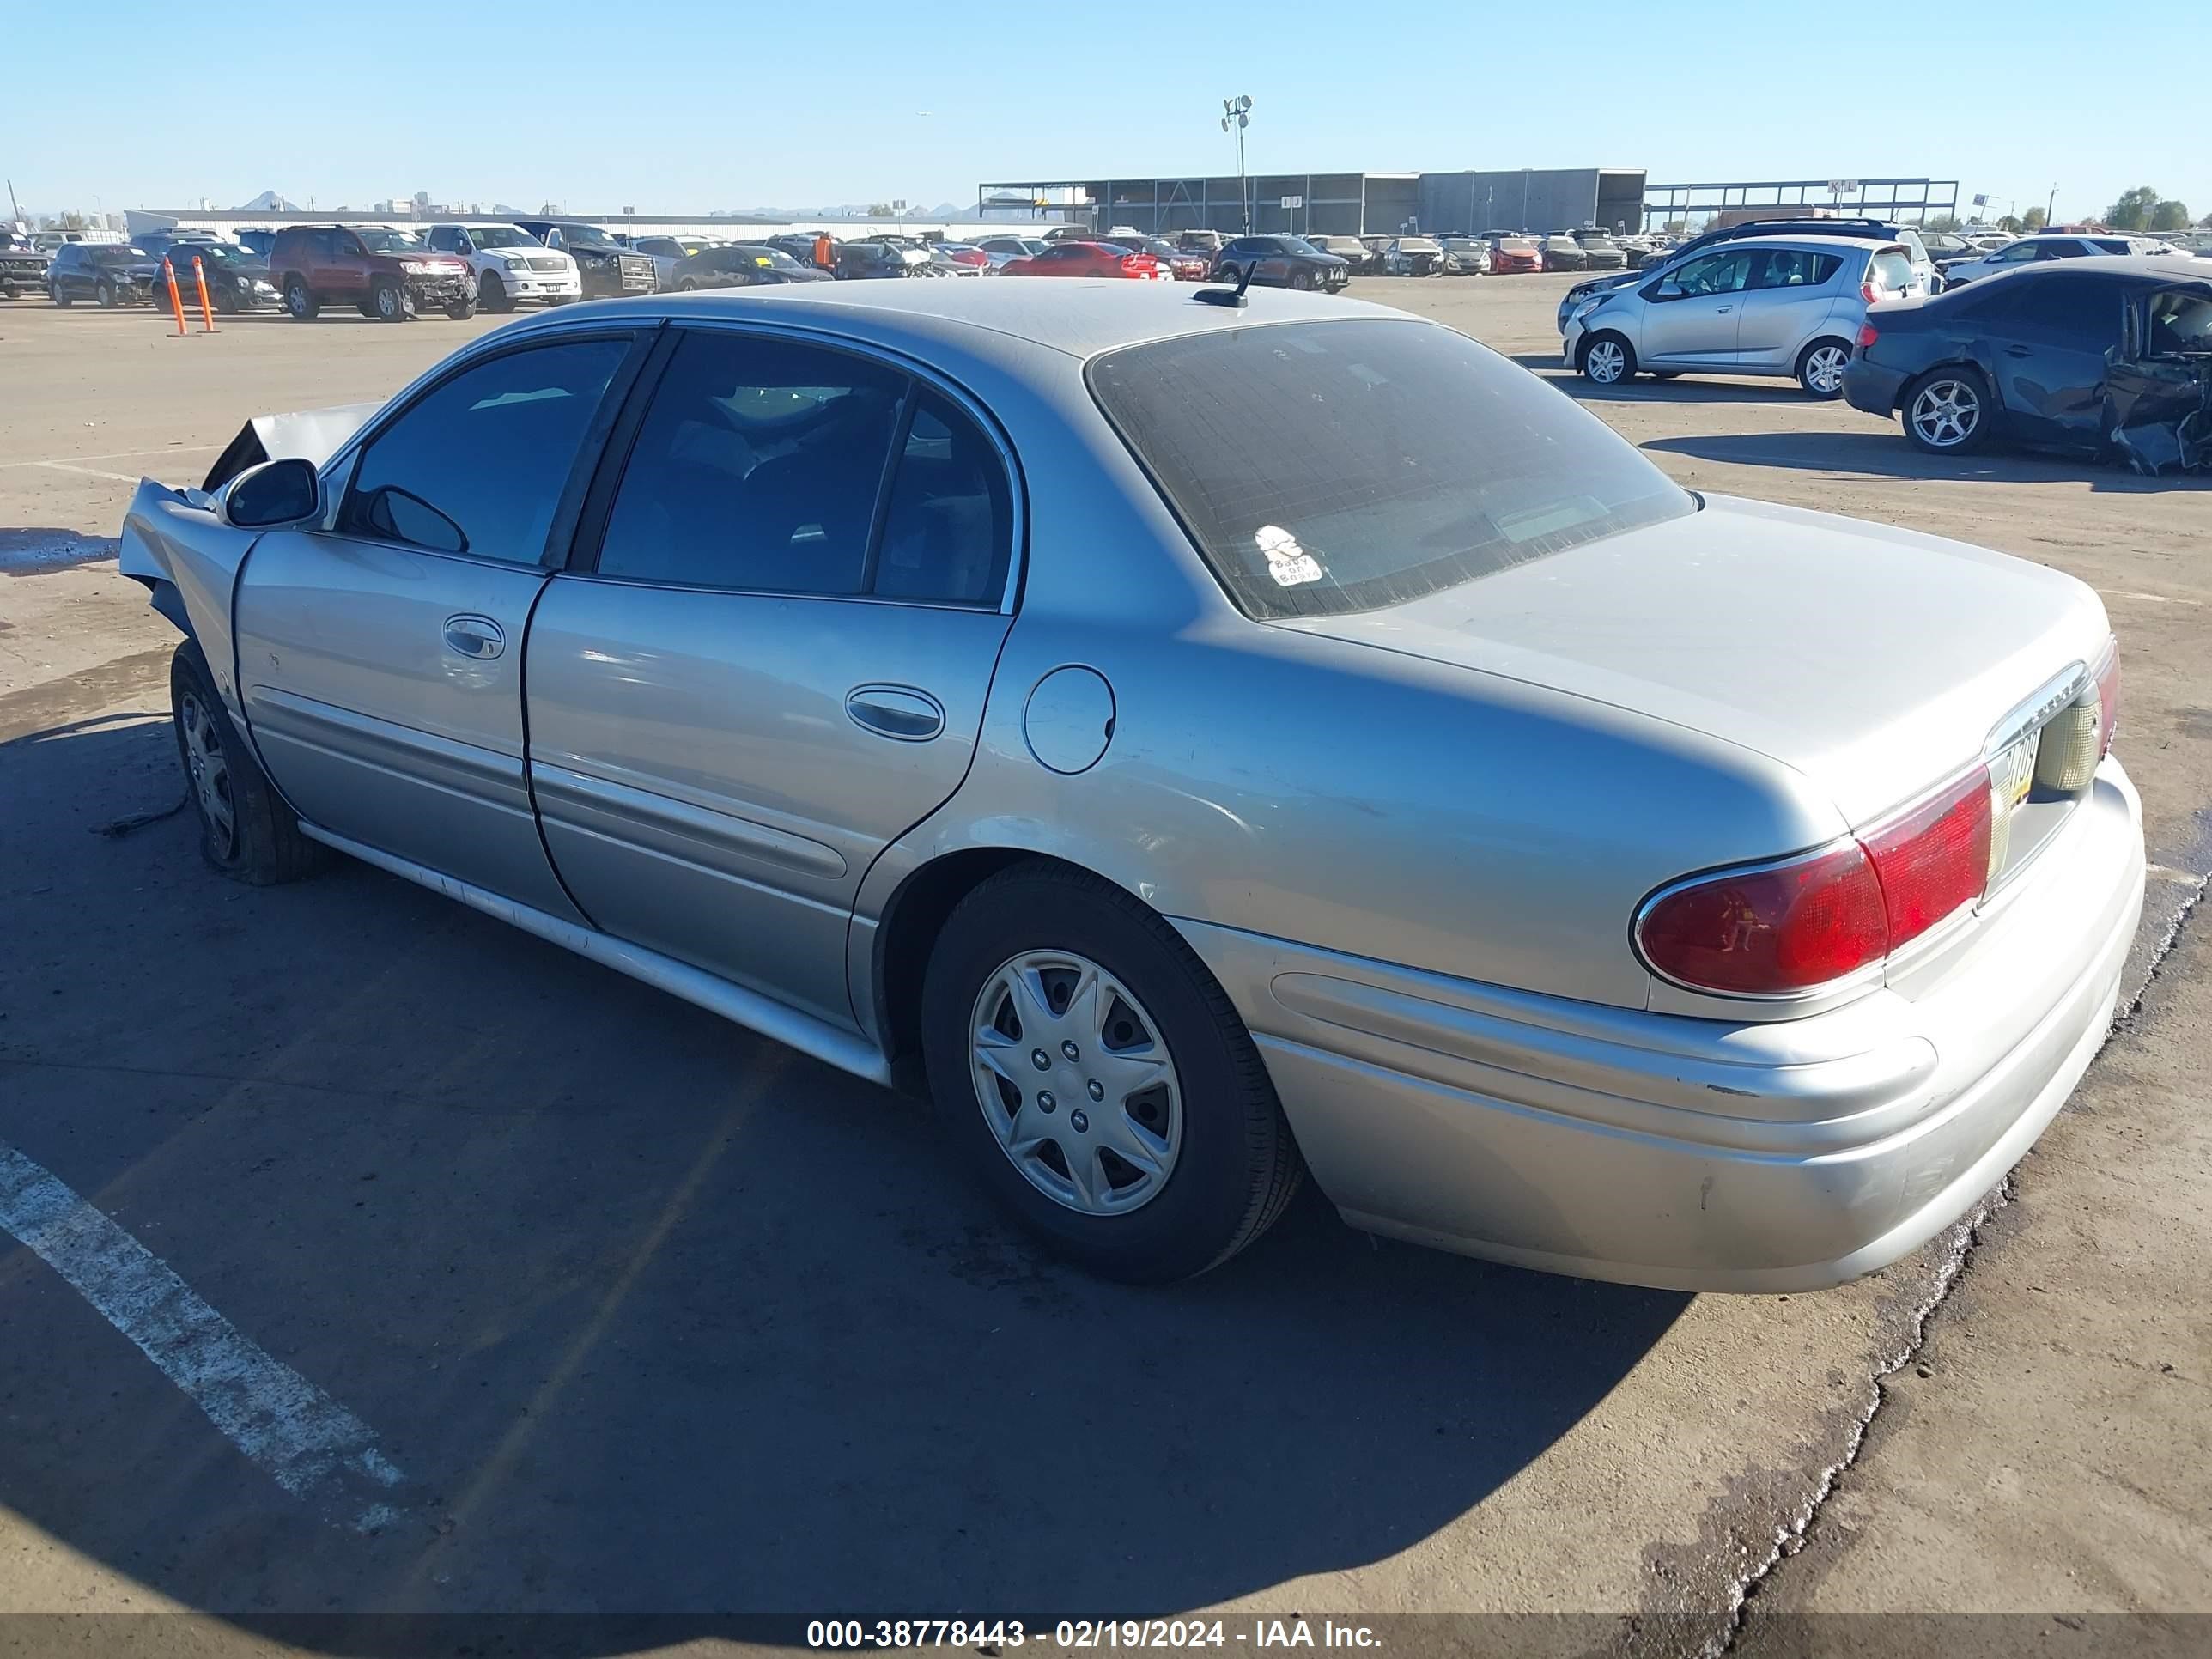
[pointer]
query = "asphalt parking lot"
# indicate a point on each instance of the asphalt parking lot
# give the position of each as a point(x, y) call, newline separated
point(597, 1305)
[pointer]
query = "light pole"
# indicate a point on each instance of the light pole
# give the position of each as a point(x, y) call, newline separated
point(1236, 116)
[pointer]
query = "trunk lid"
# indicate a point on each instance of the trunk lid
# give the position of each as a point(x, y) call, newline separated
point(1877, 661)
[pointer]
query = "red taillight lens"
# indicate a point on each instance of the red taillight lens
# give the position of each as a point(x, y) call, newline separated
point(2108, 697)
point(1764, 932)
point(1869, 291)
point(1781, 928)
point(1868, 335)
point(1934, 857)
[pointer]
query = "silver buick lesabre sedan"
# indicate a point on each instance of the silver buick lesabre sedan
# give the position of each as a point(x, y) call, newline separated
point(1197, 743)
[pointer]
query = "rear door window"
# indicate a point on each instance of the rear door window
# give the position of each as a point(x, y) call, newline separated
point(1793, 267)
point(757, 467)
point(1332, 467)
point(948, 531)
point(2060, 309)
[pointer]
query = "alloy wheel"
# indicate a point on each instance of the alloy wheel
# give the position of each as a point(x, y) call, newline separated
point(1076, 1083)
point(1604, 362)
point(1946, 413)
point(210, 772)
point(1824, 368)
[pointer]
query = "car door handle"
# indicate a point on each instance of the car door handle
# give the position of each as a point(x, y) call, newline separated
point(898, 712)
point(2020, 351)
point(1721, 310)
point(476, 637)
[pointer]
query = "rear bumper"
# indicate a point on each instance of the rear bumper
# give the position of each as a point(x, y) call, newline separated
point(1698, 1155)
point(1871, 387)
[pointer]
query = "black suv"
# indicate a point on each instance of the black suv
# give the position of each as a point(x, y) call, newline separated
point(106, 273)
point(22, 266)
point(608, 269)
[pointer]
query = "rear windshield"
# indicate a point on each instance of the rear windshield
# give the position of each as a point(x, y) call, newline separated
point(1892, 269)
point(1327, 467)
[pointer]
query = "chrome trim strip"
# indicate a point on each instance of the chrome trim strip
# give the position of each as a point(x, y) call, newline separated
point(810, 1036)
point(463, 768)
point(2038, 709)
point(693, 835)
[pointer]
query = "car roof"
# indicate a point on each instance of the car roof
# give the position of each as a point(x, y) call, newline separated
point(1077, 317)
point(2153, 270)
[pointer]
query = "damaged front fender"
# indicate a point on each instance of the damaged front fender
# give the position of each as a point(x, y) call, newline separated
point(176, 545)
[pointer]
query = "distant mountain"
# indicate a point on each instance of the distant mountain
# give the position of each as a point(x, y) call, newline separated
point(268, 202)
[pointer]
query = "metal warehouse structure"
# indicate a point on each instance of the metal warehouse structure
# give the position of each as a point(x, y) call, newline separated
point(1331, 204)
point(1902, 201)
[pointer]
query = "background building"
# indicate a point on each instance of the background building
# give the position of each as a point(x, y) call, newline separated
point(1331, 204)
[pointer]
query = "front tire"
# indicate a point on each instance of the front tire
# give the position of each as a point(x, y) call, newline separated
point(299, 303)
point(387, 302)
point(1302, 280)
point(1947, 412)
point(1820, 368)
point(245, 832)
point(492, 295)
point(55, 293)
point(1607, 360)
point(1149, 1146)
point(105, 296)
point(462, 309)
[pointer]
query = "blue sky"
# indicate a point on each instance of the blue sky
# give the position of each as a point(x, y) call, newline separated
point(683, 105)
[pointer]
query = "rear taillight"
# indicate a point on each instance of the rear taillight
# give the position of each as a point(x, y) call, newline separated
point(2107, 673)
point(1785, 928)
point(1868, 335)
point(1869, 293)
point(1934, 857)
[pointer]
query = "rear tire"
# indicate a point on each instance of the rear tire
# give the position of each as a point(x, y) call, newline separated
point(1158, 1063)
point(1947, 412)
point(1820, 368)
point(247, 832)
point(299, 304)
point(1607, 359)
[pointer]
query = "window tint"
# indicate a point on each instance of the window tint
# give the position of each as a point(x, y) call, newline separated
point(2066, 310)
point(1787, 267)
point(1324, 467)
point(478, 465)
point(2115, 244)
point(2178, 323)
point(950, 525)
point(756, 467)
point(2057, 249)
point(1717, 273)
point(2018, 253)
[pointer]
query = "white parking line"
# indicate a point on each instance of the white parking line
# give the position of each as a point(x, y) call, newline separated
point(309, 1445)
point(88, 472)
point(118, 454)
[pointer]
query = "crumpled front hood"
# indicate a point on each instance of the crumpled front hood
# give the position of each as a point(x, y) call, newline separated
point(1874, 661)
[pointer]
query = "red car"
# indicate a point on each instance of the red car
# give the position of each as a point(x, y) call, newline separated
point(1514, 250)
point(1182, 263)
point(1072, 258)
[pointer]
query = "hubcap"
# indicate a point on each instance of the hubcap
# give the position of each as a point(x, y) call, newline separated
point(1053, 1027)
point(1946, 413)
point(387, 302)
point(1604, 362)
point(1824, 369)
point(210, 772)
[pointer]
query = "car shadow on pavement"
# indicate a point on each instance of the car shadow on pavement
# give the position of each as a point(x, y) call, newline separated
point(656, 1317)
point(1644, 389)
point(1887, 454)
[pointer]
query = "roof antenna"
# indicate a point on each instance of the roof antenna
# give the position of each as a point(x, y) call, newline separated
point(1233, 298)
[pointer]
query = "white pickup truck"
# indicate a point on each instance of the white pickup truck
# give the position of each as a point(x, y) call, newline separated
point(510, 264)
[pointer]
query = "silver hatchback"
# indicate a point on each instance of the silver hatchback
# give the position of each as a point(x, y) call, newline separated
point(1758, 306)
